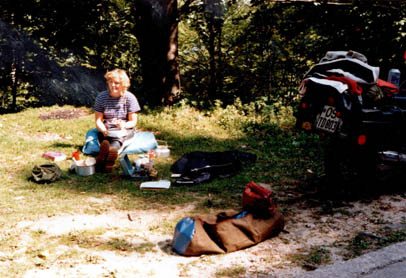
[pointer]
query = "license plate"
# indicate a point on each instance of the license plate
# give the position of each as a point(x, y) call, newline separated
point(327, 120)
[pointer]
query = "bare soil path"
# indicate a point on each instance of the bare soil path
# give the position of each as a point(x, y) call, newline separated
point(139, 242)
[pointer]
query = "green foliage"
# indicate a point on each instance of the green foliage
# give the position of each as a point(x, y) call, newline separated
point(228, 50)
point(364, 242)
point(232, 271)
point(267, 47)
point(312, 258)
point(60, 57)
point(359, 244)
point(392, 236)
point(247, 118)
point(258, 59)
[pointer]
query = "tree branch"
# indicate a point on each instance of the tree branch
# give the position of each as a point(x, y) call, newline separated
point(186, 7)
point(378, 3)
point(329, 2)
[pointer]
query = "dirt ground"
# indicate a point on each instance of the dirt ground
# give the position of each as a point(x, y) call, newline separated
point(308, 227)
point(65, 114)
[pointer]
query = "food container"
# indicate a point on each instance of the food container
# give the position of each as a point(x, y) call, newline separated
point(162, 150)
point(116, 132)
point(141, 161)
point(85, 167)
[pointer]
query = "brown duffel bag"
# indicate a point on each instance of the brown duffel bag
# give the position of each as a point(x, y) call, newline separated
point(225, 232)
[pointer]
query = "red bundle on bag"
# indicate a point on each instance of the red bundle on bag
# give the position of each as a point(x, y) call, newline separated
point(257, 199)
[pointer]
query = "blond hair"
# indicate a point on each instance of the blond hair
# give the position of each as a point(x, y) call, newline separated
point(120, 75)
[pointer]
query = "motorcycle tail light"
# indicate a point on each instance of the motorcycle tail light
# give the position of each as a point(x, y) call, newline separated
point(304, 105)
point(362, 139)
point(330, 101)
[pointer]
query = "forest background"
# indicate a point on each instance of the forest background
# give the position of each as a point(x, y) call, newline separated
point(202, 53)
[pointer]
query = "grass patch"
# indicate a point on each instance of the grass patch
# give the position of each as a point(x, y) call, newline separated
point(312, 258)
point(363, 242)
point(93, 240)
point(233, 271)
point(285, 158)
point(123, 245)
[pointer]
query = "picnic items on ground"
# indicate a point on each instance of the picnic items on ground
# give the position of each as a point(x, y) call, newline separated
point(162, 149)
point(162, 152)
point(85, 167)
point(127, 166)
point(227, 231)
point(76, 155)
point(197, 167)
point(144, 168)
point(54, 156)
point(46, 173)
point(161, 184)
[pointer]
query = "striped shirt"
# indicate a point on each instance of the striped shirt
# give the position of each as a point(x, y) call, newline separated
point(115, 108)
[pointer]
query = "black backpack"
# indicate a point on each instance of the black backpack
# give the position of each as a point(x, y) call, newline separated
point(197, 167)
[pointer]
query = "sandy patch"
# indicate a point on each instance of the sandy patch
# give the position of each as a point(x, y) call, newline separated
point(306, 227)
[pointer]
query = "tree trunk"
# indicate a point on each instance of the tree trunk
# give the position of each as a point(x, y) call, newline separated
point(157, 33)
point(212, 59)
point(14, 81)
point(214, 17)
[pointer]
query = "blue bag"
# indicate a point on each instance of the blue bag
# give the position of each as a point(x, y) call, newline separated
point(92, 144)
point(184, 231)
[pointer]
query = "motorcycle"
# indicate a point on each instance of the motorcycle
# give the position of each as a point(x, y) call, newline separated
point(360, 117)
